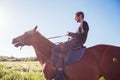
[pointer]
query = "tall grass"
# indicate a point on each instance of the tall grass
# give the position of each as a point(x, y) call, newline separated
point(20, 71)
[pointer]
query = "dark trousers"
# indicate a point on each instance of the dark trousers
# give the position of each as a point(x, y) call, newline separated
point(62, 49)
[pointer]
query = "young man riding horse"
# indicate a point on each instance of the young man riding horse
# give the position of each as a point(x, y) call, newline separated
point(76, 41)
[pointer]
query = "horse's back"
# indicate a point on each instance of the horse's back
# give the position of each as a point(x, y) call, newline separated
point(98, 60)
point(110, 62)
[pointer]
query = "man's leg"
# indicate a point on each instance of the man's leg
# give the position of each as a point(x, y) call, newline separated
point(57, 56)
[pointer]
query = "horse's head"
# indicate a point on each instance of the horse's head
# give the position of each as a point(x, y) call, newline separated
point(25, 39)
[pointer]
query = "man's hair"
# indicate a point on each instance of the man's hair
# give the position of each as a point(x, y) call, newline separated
point(80, 13)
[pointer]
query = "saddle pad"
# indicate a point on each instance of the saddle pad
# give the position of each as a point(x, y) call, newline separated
point(75, 55)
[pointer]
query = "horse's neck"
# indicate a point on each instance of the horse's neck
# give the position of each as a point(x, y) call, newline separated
point(43, 47)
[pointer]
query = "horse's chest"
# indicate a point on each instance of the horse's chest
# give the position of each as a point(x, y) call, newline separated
point(48, 70)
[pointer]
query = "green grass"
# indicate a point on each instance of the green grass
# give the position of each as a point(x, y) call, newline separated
point(20, 71)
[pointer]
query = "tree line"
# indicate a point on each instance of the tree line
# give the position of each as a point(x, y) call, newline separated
point(7, 58)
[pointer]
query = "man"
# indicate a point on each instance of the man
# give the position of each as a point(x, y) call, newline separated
point(79, 38)
point(76, 41)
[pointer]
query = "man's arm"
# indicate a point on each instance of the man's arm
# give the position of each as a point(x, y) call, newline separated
point(82, 33)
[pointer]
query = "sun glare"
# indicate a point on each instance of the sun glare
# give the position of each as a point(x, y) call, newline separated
point(2, 18)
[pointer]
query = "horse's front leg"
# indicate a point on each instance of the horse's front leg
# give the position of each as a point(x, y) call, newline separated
point(48, 70)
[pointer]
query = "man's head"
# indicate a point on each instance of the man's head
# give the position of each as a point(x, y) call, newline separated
point(79, 16)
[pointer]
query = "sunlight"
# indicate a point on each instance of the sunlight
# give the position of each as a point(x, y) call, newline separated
point(2, 18)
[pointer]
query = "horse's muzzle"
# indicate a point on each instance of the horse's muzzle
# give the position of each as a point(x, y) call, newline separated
point(17, 43)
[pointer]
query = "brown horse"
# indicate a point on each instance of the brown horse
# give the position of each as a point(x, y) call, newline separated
point(99, 60)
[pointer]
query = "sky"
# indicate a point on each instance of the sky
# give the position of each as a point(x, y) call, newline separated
point(55, 18)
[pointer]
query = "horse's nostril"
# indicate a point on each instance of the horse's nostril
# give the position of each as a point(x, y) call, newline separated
point(13, 41)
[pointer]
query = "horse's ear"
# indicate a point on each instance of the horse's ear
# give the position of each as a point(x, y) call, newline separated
point(35, 28)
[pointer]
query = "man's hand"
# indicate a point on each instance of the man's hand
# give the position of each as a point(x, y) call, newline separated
point(73, 35)
point(68, 33)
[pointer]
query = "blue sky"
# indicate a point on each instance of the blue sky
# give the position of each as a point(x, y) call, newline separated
point(57, 18)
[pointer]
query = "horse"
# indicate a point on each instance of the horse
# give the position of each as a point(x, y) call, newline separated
point(98, 60)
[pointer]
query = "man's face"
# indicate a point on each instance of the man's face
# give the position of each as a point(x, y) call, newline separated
point(78, 18)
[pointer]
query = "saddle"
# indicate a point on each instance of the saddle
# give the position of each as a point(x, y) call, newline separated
point(67, 56)
point(75, 55)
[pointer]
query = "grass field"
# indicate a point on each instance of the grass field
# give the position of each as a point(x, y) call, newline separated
point(21, 71)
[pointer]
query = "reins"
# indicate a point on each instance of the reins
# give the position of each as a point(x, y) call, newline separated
point(56, 37)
